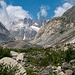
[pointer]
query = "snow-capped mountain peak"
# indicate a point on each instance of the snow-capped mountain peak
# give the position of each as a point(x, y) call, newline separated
point(26, 27)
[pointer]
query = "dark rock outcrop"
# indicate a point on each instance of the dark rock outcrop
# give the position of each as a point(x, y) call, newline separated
point(5, 35)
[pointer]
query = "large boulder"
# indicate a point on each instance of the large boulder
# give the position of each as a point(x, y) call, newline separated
point(12, 62)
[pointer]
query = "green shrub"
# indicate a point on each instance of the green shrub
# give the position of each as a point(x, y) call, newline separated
point(30, 72)
point(4, 52)
point(69, 54)
point(8, 70)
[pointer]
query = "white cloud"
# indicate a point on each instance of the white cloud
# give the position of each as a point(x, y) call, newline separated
point(10, 13)
point(61, 9)
point(43, 11)
point(70, 1)
point(38, 15)
point(17, 12)
point(4, 17)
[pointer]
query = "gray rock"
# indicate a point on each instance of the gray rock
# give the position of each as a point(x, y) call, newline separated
point(68, 72)
point(12, 62)
point(61, 73)
point(46, 70)
point(14, 54)
point(35, 69)
point(66, 66)
point(72, 62)
point(56, 72)
point(73, 73)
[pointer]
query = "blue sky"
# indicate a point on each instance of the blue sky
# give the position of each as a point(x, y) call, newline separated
point(39, 8)
point(33, 6)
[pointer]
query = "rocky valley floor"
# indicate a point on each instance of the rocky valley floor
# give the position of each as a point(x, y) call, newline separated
point(38, 61)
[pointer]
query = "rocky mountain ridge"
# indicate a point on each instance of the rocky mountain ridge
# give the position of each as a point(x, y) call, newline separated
point(59, 30)
point(5, 35)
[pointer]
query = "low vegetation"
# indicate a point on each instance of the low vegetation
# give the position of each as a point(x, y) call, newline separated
point(7, 70)
point(39, 57)
point(4, 52)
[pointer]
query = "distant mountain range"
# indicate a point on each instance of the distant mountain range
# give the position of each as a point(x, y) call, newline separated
point(26, 29)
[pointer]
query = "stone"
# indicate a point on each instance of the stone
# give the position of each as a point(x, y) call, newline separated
point(68, 72)
point(61, 73)
point(59, 68)
point(56, 72)
point(35, 69)
point(66, 66)
point(72, 62)
point(54, 67)
point(73, 73)
point(20, 57)
point(14, 54)
point(12, 62)
point(46, 70)
point(65, 48)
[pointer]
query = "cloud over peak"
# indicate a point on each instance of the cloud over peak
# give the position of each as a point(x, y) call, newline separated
point(10, 13)
point(61, 9)
point(70, 1)
point(43, 11)
point(17, 12)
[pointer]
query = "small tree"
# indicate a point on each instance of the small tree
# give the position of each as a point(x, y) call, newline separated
point(68, 54)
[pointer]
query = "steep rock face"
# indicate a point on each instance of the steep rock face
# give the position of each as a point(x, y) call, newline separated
point(27, 28)
point(58, 30)
point(19, 34)
point(70, 14)
point(5, 34)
